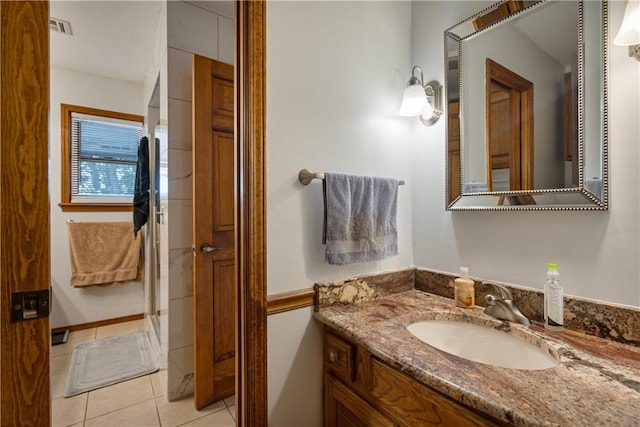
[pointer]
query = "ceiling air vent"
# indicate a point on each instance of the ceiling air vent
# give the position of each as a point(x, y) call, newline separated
point(60, 26)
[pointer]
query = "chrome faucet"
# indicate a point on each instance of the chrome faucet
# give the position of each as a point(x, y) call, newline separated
point(503, 307)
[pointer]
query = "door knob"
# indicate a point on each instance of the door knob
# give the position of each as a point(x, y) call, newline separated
point(207, 248)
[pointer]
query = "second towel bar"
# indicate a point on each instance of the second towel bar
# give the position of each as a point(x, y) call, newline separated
point(305, 176)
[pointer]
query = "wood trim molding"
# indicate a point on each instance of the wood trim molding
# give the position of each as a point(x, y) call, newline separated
point(65, 173)
point(95, 207)
point(66, 110)
point(25, 264)
point(287, 301)
point(251, 331)
point(98, 323)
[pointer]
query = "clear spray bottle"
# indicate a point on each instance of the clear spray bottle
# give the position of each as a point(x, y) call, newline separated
point(553, 299)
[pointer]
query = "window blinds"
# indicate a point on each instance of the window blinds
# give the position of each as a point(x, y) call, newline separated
point(103, 157)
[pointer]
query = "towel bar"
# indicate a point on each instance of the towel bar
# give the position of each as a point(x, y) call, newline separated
point(305, 176)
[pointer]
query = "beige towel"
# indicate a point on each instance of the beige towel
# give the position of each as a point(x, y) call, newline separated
point(103, 252)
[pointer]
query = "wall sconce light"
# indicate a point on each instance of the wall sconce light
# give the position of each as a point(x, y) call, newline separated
point(422, 100)
point(629, 33)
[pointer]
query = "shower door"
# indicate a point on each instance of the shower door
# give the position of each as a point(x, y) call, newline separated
point(156, 133)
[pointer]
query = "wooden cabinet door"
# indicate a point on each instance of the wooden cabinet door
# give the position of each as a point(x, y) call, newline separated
point(344, 408)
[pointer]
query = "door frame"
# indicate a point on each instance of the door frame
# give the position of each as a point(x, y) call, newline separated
point(251, 329)
point(25, 264)
point(25, 392)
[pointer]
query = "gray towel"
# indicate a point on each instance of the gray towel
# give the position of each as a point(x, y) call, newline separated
point(474, 187)
point(360, 218)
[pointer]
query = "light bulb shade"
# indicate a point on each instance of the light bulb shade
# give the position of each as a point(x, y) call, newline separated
point(414, 102)
point(629, 33)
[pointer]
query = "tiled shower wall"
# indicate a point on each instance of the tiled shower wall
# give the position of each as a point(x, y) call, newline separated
point(203, 28)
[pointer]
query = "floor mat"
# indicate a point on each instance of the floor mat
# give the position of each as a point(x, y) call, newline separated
point(107, 361)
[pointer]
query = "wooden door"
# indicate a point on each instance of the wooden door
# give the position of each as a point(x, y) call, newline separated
point(24, 209)
point(570, 149)
point(453, 147)
point(213, 231)
point(509, 126)
point(504, 136)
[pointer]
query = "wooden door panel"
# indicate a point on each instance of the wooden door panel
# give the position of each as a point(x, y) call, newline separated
point(224, 194)
point(225, 379)
point(214, 225)
point(453, 171)
point(223, 104)
point(223, 292)
point(516, 157)
point(500, 127)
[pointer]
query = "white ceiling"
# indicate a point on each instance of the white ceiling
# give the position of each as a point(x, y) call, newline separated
point(110, 38)
point(554, 28)
point(221, 7)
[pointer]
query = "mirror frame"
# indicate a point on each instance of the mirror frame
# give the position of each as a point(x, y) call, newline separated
point(575, 198)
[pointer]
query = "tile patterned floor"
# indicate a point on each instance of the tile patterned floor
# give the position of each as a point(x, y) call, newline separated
point(134, 403)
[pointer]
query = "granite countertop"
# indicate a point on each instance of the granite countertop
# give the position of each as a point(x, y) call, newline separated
point(597, 381)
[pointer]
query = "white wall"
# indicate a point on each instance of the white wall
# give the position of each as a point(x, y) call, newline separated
point(73, 306)
point(335, 76)
point(593, 77)
point(597, 252)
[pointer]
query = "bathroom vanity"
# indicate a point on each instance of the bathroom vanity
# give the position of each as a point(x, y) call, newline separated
point(376, 373)
point(361, 389)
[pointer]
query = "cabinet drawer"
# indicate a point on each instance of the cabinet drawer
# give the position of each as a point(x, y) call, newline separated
point(338, 357)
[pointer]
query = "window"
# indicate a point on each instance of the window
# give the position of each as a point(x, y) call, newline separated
point(99, 157)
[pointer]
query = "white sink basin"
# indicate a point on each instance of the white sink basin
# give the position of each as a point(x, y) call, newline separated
point(482, 344)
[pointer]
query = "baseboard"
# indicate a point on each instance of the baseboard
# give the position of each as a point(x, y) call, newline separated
point(99, 323)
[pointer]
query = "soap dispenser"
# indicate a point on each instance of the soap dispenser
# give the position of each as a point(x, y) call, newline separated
point(464, 289)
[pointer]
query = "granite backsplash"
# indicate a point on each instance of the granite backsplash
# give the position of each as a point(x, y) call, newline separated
point(601, 319)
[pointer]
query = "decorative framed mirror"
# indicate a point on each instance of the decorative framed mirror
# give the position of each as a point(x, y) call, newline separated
point(526, 94)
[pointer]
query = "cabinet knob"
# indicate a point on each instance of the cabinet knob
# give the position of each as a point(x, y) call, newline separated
point(333, 356)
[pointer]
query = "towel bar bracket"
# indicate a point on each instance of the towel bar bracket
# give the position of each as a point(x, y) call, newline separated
point(306, 176)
